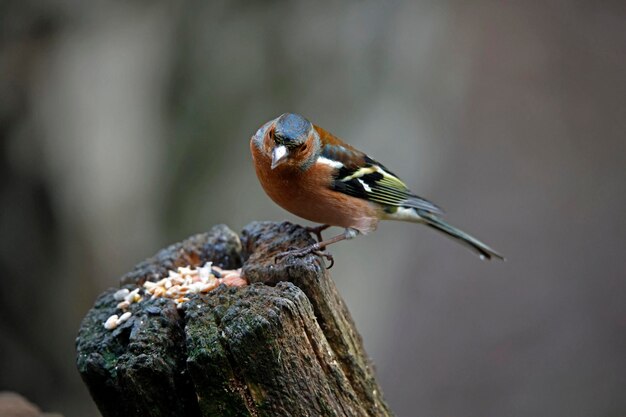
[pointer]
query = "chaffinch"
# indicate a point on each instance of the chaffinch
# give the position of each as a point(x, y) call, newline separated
point(314, 175)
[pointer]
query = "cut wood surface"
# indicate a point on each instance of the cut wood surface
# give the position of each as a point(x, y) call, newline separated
point(285, 345)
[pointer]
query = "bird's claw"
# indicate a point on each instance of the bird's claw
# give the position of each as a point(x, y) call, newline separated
point(317, 230)
point(325, 254)
point(314, 249)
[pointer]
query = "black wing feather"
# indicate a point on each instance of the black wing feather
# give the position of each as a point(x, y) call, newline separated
point(362, 177)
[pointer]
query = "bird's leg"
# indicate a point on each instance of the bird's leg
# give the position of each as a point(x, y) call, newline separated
point(317, 230)
point(319, 248)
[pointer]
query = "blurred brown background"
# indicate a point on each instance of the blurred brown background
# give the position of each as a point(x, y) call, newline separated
point(124, 127)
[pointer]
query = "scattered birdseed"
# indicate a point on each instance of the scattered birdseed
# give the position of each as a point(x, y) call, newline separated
point(176, 286)
point(114, 321)
point(123, 305)
point(133, 296)
point(124, 317)
point(121, 294)
point(111, 322)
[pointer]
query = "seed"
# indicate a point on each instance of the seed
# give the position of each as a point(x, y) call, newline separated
point(185, 270)
point(211, 285)
point(111, 322)
point(233, 280)
point(131, 297)
point(120, 294)
point(124, 317)
point(204, 273)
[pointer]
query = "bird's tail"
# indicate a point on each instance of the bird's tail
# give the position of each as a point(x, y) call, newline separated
point(435, 222)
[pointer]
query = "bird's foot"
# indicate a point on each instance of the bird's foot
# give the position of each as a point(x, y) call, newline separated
point(315, 249)
point(317, 230)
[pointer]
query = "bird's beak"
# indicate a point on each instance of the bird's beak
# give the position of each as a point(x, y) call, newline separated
point(279, 155)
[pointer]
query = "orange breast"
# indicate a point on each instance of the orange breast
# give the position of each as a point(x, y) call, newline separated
point(308, 195)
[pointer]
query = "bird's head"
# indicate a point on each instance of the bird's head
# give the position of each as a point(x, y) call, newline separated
point(291, 139)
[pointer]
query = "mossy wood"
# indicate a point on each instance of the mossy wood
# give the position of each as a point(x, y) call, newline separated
point(283, 346)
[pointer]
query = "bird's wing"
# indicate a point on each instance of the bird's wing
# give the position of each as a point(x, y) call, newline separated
point(358, 175)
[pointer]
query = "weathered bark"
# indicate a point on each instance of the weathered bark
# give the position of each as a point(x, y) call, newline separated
point(283, 346)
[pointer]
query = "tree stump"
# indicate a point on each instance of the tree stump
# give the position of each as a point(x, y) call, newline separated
point(285, 345)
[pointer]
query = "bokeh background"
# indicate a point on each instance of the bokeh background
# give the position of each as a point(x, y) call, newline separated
point(124, 127)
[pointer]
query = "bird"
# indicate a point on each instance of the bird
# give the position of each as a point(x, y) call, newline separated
point(315, 175)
